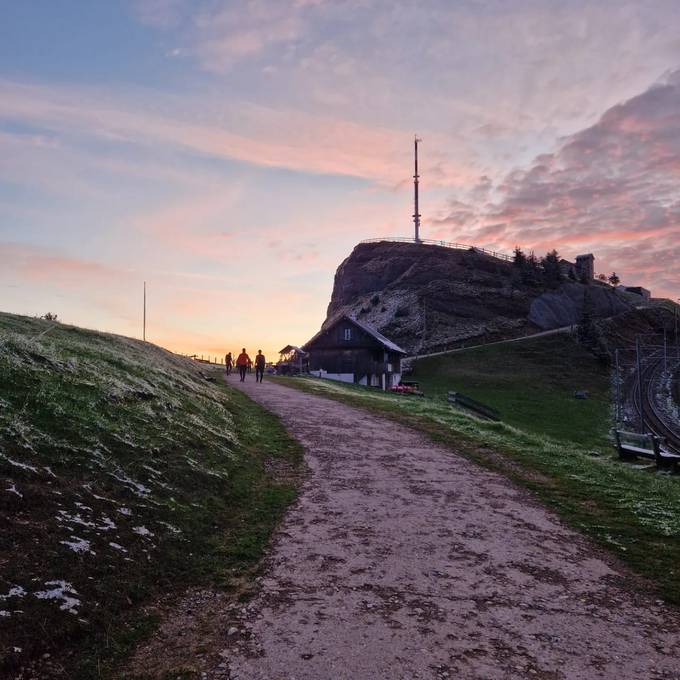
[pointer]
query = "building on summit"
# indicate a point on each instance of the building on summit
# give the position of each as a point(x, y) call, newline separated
point(644, 293)
point(581, 270)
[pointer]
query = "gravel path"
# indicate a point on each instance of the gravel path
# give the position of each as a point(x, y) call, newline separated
point(403, 560)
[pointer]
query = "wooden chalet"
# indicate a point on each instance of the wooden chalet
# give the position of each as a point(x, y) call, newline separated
point(350, 351)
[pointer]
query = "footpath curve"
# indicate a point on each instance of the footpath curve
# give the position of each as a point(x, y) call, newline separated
point(402, 560)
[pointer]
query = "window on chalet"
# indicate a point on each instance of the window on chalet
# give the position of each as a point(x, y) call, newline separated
point(347, 334)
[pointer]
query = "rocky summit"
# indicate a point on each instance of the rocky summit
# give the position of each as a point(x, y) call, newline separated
point(429, 298)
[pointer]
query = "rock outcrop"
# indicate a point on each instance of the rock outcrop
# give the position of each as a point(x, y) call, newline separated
point(565, 306)
point(428, 298)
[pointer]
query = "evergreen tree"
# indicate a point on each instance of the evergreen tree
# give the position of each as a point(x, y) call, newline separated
point(520, 259)
point(588, 333)
point(614, 279)
point(531, 271)
point(551, 267)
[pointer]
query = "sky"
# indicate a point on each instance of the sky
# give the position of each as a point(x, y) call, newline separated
point(231, 153)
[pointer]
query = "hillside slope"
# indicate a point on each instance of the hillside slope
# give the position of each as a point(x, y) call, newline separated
point(124, 474)
point(428, 298)
point(532, 383)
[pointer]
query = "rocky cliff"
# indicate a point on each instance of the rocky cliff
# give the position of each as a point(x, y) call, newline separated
point(428, 298)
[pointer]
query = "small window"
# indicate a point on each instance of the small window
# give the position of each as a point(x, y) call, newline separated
point(348, 333)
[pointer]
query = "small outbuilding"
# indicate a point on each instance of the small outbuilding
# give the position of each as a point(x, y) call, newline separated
point(350, 351)
point(292, 361)
point(638, 290)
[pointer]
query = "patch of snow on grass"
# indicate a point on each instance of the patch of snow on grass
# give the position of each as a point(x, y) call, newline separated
point(14, 591)
point(136, 488)
point(80, 545)
point(143, 531)
point(74, 519)
point(171, 528)
point(16, 463)
point(118, 547)
point(107, 524)
point(63, 591)
point(153, 471)
point(125, 511)
point(13, 489)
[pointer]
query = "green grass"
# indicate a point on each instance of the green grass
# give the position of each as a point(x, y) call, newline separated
point(633, 513)
point(106, 440)
point(532, 384)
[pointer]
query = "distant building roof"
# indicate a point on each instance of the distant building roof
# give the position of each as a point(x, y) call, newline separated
point(291, 348)
point(638, 290)
point(385, 342)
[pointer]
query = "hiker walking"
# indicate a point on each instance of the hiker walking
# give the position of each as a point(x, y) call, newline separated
point(259, 366)
point(242, 362)
point(228, 363)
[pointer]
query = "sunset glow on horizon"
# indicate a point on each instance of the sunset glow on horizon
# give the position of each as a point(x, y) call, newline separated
point(231, 153)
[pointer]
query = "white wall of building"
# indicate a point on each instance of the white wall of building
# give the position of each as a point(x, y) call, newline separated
point(341, 377)
point(376, 380)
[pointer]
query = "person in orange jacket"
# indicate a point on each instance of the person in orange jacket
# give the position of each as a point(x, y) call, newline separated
point(242, 363)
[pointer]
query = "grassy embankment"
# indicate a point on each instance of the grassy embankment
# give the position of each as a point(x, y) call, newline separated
point(550, 443)
point(532, 384)
point(125, 476)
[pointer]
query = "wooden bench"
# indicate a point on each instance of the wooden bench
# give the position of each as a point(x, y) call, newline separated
point(655, 452)
point(471, 404)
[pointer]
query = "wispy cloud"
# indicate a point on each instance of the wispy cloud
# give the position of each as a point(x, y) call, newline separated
point(33, 263)
point(240, 131)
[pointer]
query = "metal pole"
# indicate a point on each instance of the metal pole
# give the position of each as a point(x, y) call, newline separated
point(144, 322)
point(424, 324)
point(665, 352)
point(639, 382)
point(416, 177)
point(677, 341)
point(618, 390)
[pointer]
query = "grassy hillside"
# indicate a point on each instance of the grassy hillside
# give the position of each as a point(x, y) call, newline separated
point(124, 475)
point(633, 512)
point(531, 383)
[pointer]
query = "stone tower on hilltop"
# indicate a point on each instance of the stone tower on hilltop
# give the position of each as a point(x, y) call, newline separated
point(585, 267)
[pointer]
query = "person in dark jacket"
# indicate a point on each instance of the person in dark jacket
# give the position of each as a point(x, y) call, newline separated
point(260, 363)
point(228, 363)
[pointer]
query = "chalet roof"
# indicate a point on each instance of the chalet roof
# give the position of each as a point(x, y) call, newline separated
point(385, 342)
point(291, 348)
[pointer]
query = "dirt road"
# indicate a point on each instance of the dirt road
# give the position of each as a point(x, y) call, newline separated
point(403, 560)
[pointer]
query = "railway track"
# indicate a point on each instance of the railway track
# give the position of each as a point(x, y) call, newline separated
point(654, 419)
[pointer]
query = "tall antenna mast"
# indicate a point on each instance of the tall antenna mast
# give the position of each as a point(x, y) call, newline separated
point(144, 321)
point(416, 177)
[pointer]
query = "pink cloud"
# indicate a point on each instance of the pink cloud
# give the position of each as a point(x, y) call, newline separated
point(24, 262)
point(612, 188)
